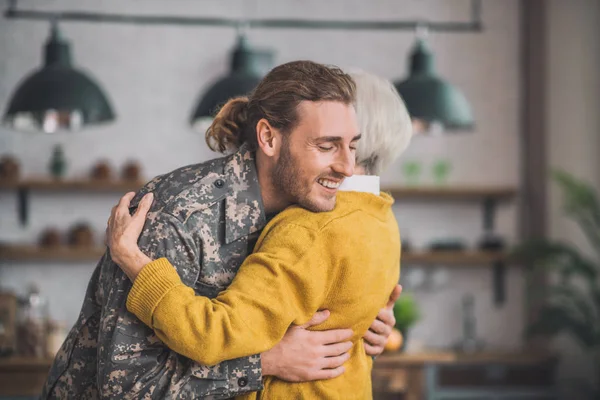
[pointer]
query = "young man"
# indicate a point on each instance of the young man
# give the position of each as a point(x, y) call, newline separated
point(206, 219)
point(303, 261)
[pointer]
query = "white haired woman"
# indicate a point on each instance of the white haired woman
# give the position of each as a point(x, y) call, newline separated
point(345, 260)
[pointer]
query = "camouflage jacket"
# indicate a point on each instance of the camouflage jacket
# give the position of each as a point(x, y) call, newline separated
point(205, 219)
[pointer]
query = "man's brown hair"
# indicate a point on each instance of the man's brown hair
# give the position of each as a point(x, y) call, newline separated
point(276, 99)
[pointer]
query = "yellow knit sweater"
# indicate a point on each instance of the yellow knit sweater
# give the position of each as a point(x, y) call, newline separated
point(346, 261)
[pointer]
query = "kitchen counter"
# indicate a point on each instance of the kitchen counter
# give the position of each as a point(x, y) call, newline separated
point(440, 357)
point(433, 374)
point(393, 373)
point(21, 376)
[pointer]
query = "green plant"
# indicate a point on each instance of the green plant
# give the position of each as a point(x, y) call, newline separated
point(406, 312)
point(571, 303)
point(441, 170)
point(412, 172)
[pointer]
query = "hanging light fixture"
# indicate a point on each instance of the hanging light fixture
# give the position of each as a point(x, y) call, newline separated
point(433, 104)
point(248, 66)
point(57, 96)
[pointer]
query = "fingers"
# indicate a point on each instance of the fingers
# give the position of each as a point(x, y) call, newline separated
point(337, 361)
point(373, 350)
point(387, 317)
point(113, 211)
point(318, 318)
point(375, 339)
point(126, 199)
point(144, 206)
point(108, 230)
point(332, 336)
point(337, 349)
point(122, 207)
point(394, 296)
point(120, 219)
point(381, 327)
point(329, 373)
point(106, 243)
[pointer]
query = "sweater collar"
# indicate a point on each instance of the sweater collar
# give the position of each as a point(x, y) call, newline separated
point(365, 201)
point(361, 183)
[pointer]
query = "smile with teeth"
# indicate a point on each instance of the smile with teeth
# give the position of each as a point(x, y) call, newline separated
point(328, 184)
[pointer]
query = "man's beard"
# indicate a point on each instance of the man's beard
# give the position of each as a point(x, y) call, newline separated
point(287, 179)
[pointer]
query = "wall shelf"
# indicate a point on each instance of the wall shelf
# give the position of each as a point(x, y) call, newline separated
point(24, 253)
point(25, 186)
point(453, 258)
point(25, 362)
point(401, 192)
point(487, 196)
point(45, 184)
point(403, 359)
point(460, 193)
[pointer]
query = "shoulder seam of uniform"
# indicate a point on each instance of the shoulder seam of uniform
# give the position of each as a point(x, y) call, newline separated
point(165, 205)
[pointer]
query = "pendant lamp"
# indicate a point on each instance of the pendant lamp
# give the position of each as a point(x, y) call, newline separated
point(57, 96)
point(433, 104)
point(248, 66)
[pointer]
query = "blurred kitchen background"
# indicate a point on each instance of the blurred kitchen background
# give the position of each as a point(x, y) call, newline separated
point(522, 99)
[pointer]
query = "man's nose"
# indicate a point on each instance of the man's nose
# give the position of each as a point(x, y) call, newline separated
point(345, 164)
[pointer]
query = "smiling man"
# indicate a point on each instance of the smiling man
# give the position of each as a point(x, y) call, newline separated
point(312, 163)
point(294, 141)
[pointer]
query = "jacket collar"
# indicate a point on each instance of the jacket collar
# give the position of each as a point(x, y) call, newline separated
point(244, 209)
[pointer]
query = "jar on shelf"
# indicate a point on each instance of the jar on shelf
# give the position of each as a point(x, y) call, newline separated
point(58, 163)
point(32, 324)
point(57, 333)
point(8, 310)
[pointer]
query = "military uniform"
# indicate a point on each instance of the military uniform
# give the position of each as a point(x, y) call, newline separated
point(205, 219)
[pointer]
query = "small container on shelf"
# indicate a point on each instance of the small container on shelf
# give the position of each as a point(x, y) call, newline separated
point(58, 163)
point(9, 168)
point(492, 242)
point(101, 171)
point(32, 323)
point(448, 244)
point(81, 235)
point(8, 315)
point(57, 333)
point(131, 172)
point(50, 238)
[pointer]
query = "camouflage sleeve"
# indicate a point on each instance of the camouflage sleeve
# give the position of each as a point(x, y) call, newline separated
point(139, 364)
point(74, 370)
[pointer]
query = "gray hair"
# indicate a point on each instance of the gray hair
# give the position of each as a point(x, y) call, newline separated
point(383, 121)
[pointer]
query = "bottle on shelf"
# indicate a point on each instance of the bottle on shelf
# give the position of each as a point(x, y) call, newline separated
point(32, 324)
point(58, 163)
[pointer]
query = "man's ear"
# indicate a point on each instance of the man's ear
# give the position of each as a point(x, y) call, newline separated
point(268, 138)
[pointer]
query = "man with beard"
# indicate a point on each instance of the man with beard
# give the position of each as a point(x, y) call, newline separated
point(206, 218)
point(303, 261)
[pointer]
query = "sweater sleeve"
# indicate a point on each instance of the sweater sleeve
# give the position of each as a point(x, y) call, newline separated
point(283, 282)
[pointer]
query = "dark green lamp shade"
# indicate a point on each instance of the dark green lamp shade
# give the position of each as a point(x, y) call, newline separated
point(248, 66)
point(234, 85)
point(433, 104)
point(57, 96)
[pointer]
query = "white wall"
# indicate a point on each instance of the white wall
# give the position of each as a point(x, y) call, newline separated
point(573, 124)
point(154, 75)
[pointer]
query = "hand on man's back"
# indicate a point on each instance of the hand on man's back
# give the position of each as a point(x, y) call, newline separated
point(303, 355)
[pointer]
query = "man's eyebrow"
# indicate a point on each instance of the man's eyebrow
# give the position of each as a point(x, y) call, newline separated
point(335, 139)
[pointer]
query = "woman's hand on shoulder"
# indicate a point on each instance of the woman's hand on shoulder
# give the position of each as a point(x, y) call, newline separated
point(123, 231)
